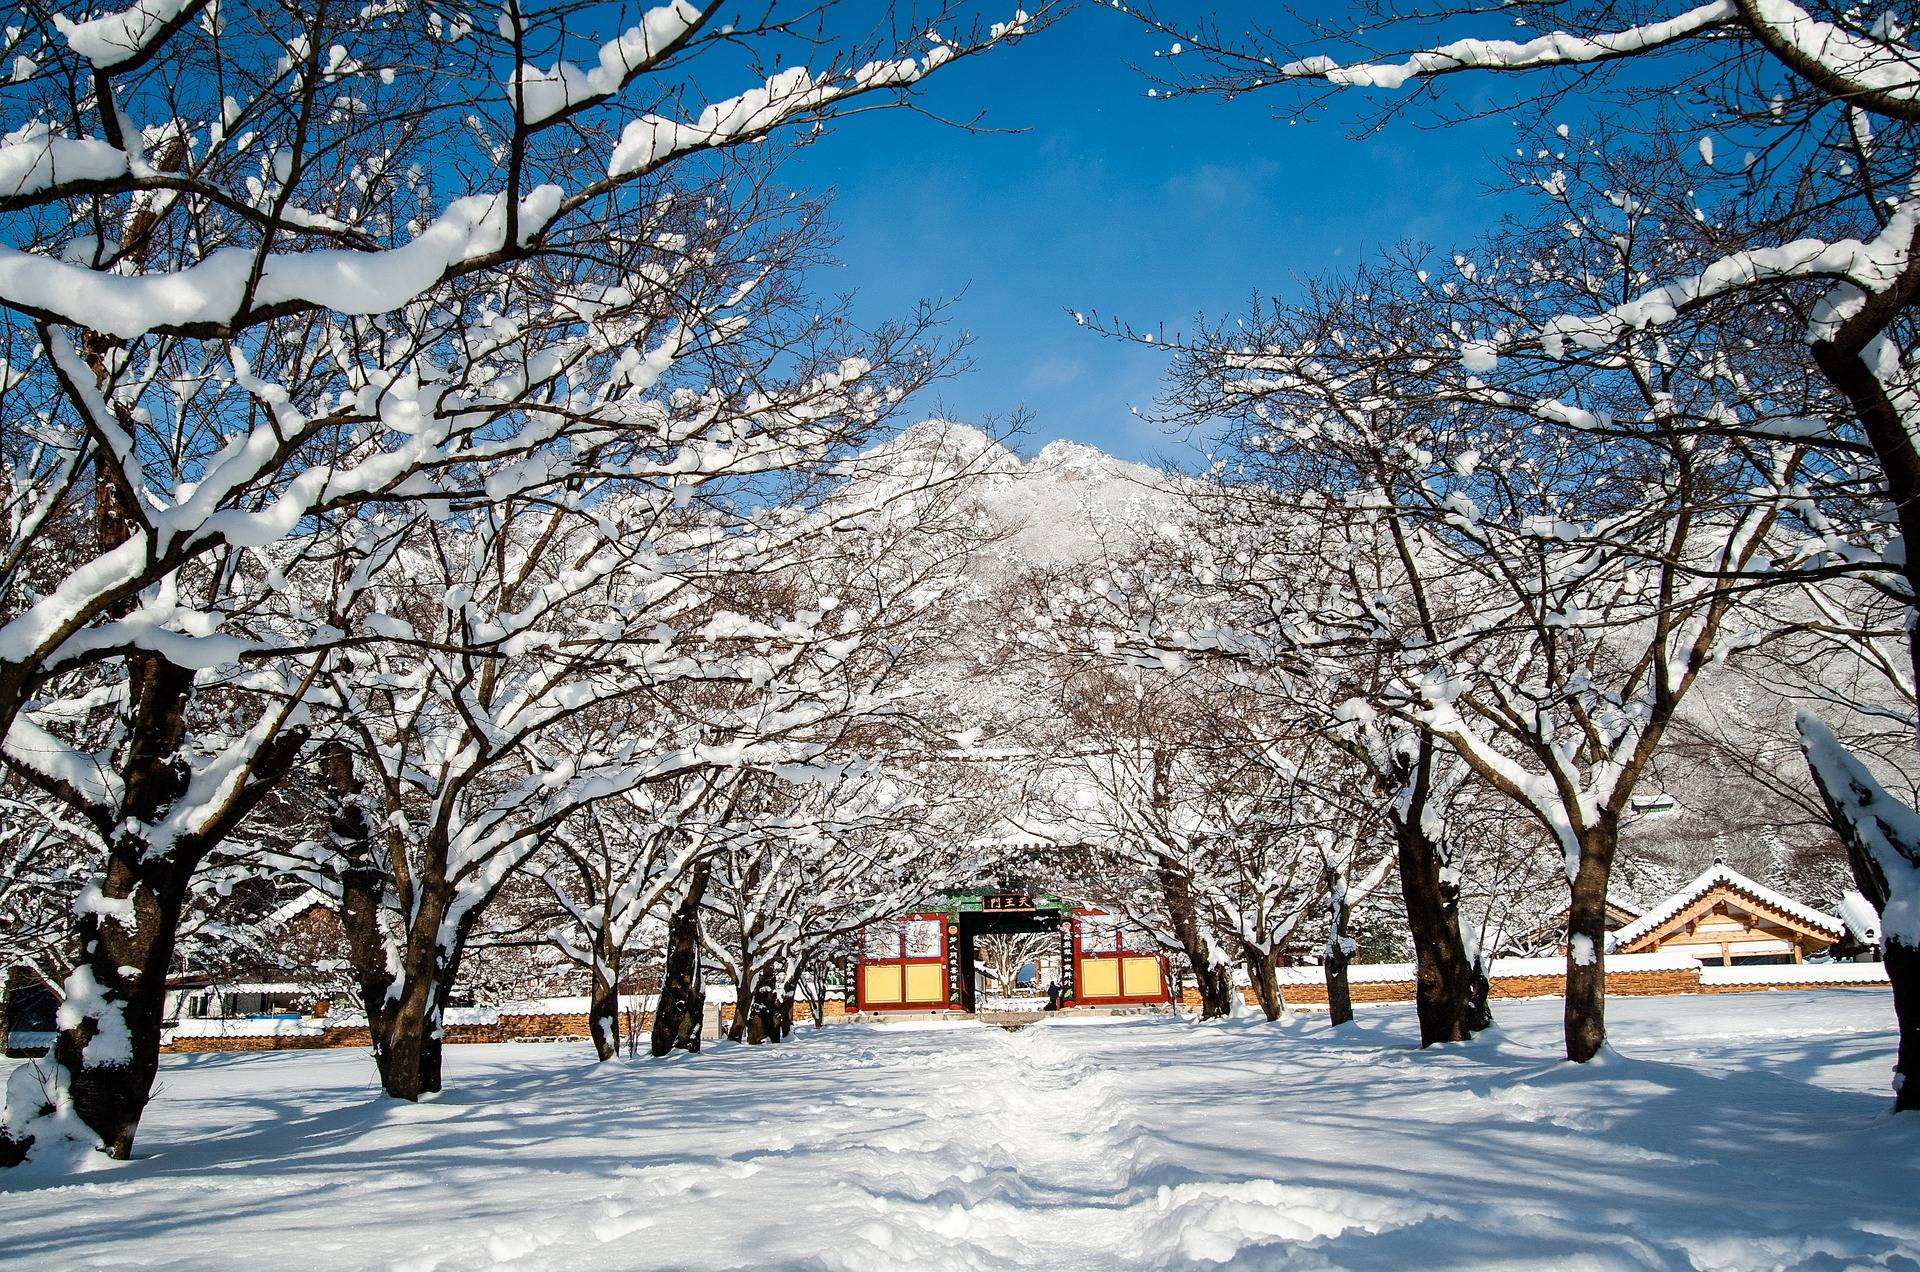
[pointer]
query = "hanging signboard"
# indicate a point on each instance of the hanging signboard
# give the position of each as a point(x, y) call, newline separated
point(1018, 902)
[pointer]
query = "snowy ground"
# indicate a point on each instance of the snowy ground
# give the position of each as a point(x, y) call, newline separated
point(1738, 1132)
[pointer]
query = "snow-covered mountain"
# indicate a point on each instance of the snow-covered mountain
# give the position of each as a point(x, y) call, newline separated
point(1056, 507)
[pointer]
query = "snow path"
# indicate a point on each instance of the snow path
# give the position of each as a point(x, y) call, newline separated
point(1732, 1132)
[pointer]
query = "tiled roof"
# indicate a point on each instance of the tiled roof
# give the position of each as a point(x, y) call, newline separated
point(1719, 874)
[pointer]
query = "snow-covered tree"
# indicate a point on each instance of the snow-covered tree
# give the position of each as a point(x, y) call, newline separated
point(1812, 229)
point(43, 867)
point(609, 869)
point(1555, 554)
point(1195, 819)
point(265, 269)
point(1249, 587)
point(815, 857)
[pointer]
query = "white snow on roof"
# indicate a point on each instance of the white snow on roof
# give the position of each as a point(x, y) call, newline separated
point(217, 986)
point(1717, 875)
point(298, 906)
point(246, 1027)
point(1862, 920)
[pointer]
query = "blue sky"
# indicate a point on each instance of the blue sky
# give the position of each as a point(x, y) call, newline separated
point(1153, 211)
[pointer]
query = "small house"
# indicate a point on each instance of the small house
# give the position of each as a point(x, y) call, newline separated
point(1722, 918)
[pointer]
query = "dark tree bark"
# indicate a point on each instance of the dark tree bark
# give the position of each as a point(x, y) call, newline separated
point(128, 962)
point(1261, 972)
point(1214, 979)
point(683, 998)
point(1450, 990)
point(788, 1000)
point(412, 1045)
point(1902, 960)
point(603, 1016)
point(408, 1041)
point(125, 939)
point(406, 1028)
point(1903, 969)
point(1339, 991)
point(757, 1018)
point(1339, 953)
point(1586, 1003)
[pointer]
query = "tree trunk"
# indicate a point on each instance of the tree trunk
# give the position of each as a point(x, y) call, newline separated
point(117, 991)
point(745, 985)
point(1903, 969)
point(1844, 359)
point(405, 1027)
point(762, 1012)
point(1450, 989)
point(1213, 977)
point(1586, 1006)
point(108, 1046)
point(412, 1043)
point(1266, 982)
point(683, 998)
point(1339, 947)
point(1902, 961)
point(603, 1014)
point(1339, 993)
point(409, 1042)
point(109, 1040)
point(785, 1016)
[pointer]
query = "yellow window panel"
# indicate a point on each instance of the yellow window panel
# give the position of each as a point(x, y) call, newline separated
point(926, 983)
point(1099, 978)
point(881, 984)
point(1143, 977)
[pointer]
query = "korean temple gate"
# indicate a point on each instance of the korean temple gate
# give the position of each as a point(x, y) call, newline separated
point(924, 961)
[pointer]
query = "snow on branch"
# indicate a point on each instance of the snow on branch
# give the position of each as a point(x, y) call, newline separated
point(214, 293)
point(1874, 72)
point(653, 139)
point(1859, 267)
point(1557, 48)
point(1876, 826)
point(113, 40)
point(1878, 74)
point(32, 159)
point(564, 86)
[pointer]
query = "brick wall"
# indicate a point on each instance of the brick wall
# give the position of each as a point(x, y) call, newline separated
point(508, 1028)
point(1768, 989)
point(1625, 984)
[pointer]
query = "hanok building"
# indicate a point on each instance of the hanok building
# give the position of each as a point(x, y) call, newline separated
point(926, 961)
point(1725, 919)
point(1551, 936)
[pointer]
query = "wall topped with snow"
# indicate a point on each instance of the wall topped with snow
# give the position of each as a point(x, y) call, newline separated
point(1503, 969)
point(1796, 975)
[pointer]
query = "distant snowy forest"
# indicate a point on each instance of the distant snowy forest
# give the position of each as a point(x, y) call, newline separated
point(432, 488)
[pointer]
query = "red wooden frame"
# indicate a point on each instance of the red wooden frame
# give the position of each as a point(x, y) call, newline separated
point(904, 1003)
point(1081, 957)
